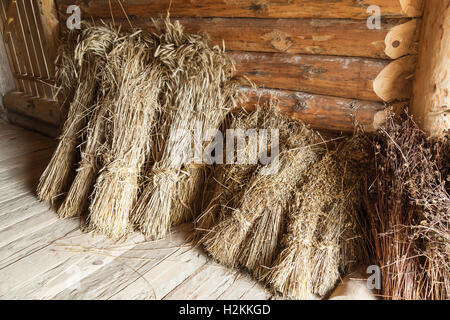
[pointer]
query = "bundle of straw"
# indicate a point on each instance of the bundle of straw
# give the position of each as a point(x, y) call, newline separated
point(249, 234)
point(89, 57)
point(131, 104)
point(199, 89)
point(323, 237)
point(228, 182)
point(409, 210)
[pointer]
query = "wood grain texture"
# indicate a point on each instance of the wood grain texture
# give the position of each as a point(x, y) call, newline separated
point(323, 112)
point(328, 75)
point(41, 109)
point(33, 124)
point(403, 39)
point(395, 82)
point(339, 37)
point(431, 99)
point(245, 8)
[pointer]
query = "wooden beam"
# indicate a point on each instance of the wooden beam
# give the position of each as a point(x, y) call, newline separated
point(322, 112)
point(342, 9)
point(339, 37)
point(33, 124)
point(431, 99)
point(44, 110)
point(327, 75)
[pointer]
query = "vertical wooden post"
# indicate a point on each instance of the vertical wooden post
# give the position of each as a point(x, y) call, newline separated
point(431, 99)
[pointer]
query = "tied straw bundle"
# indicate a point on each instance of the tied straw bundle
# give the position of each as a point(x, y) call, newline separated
point(132, 104)
point(86, 62)
point(248, 233)
point(199, 90)
point(324, 236)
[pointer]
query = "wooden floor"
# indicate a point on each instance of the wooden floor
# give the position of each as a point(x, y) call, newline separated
point(43, 257)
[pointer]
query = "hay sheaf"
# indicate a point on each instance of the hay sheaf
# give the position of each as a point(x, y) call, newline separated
point(79, 74)
point(324, 237)
point(248, 231)
point(199, 89)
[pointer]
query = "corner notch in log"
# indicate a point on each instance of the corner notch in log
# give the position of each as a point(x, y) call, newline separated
point(403, 39)
point(431, 98)
point(395, 81)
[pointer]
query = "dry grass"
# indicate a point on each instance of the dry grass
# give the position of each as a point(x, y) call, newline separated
point(409, 209)
point(199, 87)
point(249, 232)
point(133, 83)
point(324, 238)
point(86, 62)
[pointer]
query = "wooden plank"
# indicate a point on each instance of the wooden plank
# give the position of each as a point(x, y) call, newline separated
point(49, 30)
point(163, 278)
point(35, 222)
point(33, 21)
point(431, 102)
point(10, 168)
point(25, 26)
point(42, 109)
point(33, 124)
point(121, 266)
point(339, 37)
point(327, 75)
point(30, 243)
point(200, 287)
point(322, 112)
point(12, 40)
point(30, 267)
point(245, 288)
point(349, 9)
point(69, 275)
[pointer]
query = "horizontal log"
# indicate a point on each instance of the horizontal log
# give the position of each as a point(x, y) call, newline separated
point(37, 108)
point(338, 37)
point(349, 9)
point(322, 112)
point(327, 75)
point(32, 124)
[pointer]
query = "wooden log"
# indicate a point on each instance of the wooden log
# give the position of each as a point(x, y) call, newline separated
point(327, 75)
point(431, 99)
point(341, 9)
point(339, 37)
point(403, 39)
point(395, 82)
point(322, 112)
point(44, 110)
point(33, 124)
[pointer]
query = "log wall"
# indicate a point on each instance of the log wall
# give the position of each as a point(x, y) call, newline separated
point(292, 49)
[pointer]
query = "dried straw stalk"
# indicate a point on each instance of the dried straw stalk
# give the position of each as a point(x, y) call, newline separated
point(93, 45)
point(199, 89)
point(323, 237)
point(409, 210)
point(265, 198)
point(229, 181)
point(131, 103)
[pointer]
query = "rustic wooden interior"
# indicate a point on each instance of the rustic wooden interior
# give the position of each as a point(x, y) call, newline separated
point(317, 57)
